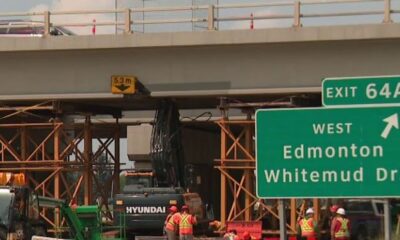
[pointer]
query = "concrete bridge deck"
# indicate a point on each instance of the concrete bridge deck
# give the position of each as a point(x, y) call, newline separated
point(196, 67)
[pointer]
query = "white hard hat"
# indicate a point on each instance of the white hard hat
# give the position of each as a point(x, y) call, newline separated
point(310, 211)
point(341, 211)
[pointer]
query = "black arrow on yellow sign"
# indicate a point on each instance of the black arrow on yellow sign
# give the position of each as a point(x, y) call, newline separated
point(122, 87)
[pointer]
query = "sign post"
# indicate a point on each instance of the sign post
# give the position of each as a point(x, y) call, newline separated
point(328, 152)
point(387, 220)
point(282, 219)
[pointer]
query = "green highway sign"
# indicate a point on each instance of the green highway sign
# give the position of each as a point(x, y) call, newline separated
point(328, 152)
point(361, 90)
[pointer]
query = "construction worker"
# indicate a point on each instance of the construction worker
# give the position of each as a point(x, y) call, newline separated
point(74, 204)
point(169, 225)
point(214, 225)
point(307, 227)
point(231, 235)
point(246, 236)
point(332, 215)
point(185, 222)
point(340, 227)
point(333, 210)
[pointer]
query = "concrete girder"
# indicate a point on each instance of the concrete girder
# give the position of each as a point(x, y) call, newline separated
point(201, 64)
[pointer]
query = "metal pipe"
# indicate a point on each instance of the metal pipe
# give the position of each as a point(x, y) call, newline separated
point(293, 220)
point(258, 17)
point(20, 26)
point(83, 12)
point(66, 96)
point(116, 15)
point(236, 167)
point(128, 22)
point(37, 162)
point(235, 160)
point(238, 122)
point(47, 23)
point(282, 219)
point(211, 17)
point(33, 169)
point(181, 20)
point(387, 220)
point(248, 172)
point(17, 125)
point(342, 14)
point(6, 109)
point(56, 154)
point(316, 209)
point(297, 14)
point(24, 146)
point(85, 24)
point(172, 9)
point(116, 158)
point(21, 14)
point(305, 2)
point(223, 200)
point(254, 5)
point(88, 161)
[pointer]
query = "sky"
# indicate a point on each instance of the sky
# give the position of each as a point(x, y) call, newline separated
point(59, 5)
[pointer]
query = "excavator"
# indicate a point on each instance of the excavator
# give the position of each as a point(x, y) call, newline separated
point(148, 193)
point(20, 220)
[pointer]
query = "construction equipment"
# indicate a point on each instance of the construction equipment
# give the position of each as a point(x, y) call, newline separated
point(20, 220)
point(84, 222)
point(147, 194)
point(19, 209)
point(146, 207)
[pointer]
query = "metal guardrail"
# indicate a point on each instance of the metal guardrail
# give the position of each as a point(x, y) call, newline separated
point(211, 19)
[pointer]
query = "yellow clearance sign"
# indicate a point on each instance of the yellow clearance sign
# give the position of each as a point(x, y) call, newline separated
point(123, 84)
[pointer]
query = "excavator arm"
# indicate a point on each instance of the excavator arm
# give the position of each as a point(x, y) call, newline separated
point(166, 147)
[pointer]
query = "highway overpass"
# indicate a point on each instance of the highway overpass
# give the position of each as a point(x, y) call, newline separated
point(194, 67)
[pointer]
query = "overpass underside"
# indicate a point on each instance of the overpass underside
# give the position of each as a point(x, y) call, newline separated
point(47, 82)
point(195, 68)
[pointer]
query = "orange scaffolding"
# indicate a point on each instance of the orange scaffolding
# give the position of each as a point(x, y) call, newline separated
point(59, 160)
point(237, 166)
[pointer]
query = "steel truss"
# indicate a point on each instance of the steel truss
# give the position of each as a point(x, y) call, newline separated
point(59, 160)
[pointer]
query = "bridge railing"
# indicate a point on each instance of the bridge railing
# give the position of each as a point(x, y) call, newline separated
point(212, 18)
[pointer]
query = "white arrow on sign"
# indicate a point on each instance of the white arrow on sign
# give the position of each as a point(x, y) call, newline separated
point(392, 121)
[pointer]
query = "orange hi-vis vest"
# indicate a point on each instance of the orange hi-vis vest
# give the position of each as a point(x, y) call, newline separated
point(343, 231)
point(186, 222)
point(170, 223)
point(307, 227)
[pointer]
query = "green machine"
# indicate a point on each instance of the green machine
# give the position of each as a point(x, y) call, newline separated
point(84, 222)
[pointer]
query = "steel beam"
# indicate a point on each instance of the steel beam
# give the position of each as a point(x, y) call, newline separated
point(88, 184)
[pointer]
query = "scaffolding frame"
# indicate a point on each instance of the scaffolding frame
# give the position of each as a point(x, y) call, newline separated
point(59, 165)
point(237, 165)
